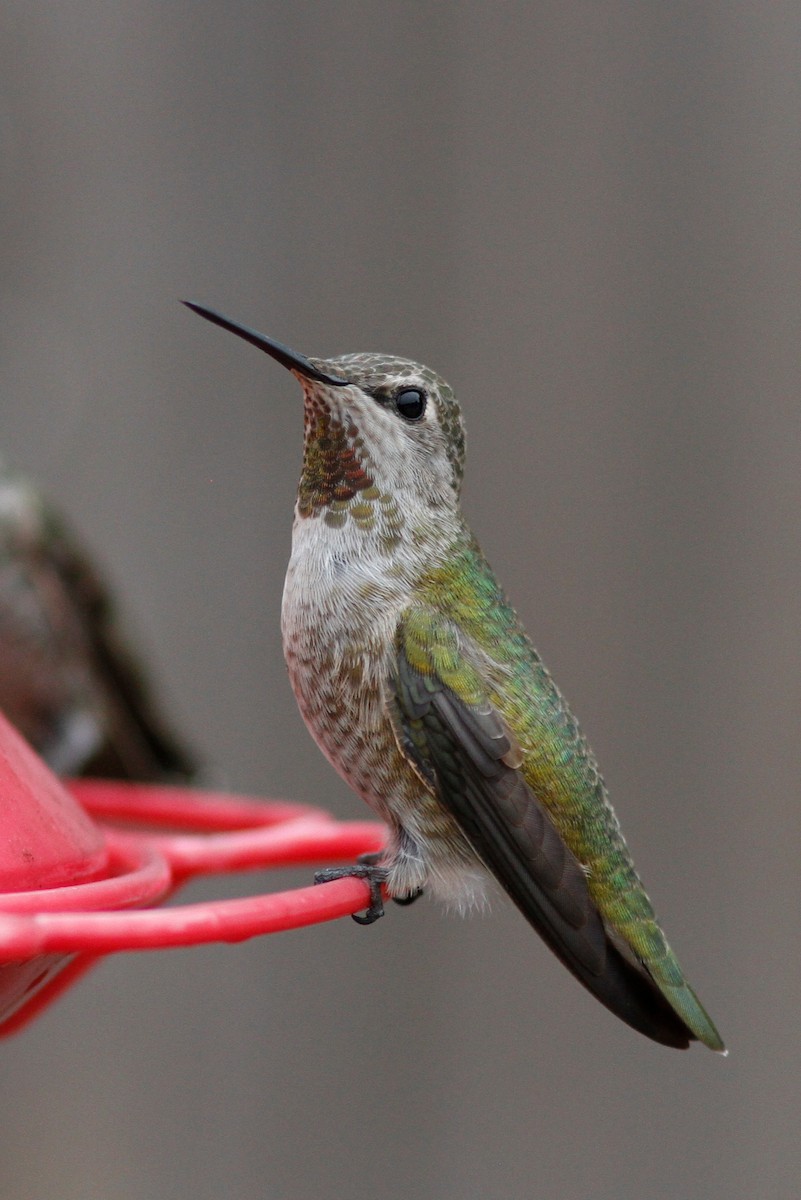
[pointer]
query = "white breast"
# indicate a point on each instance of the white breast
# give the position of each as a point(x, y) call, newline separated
point(342, 601)
point(341, 595)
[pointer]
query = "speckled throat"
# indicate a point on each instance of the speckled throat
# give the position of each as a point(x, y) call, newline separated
point(334, 466)
point(337, 482)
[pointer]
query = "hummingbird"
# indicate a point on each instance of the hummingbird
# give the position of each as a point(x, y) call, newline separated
point(69, 679)
point(419, 684)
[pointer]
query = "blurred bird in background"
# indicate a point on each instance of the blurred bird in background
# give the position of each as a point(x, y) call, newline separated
point(68, 679)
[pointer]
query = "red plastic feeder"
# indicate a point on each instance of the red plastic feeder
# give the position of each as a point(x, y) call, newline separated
point(76, 859)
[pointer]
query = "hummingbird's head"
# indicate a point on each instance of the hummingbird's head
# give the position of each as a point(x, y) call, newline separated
point(400, 415)
point(375, 426)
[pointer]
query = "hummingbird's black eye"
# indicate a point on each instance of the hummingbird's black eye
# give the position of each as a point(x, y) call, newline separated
point(410, 403)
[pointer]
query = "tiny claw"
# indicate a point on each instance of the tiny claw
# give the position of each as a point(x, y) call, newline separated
point(375, 911)
point(410, 899)
point(375, 877)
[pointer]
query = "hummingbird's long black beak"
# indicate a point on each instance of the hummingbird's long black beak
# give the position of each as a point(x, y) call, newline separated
point(288, 358)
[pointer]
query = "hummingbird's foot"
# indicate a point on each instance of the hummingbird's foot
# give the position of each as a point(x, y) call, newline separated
point(370, 871)
point(372, 859)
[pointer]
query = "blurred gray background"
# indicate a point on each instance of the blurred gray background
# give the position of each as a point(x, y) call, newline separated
point(587, 218)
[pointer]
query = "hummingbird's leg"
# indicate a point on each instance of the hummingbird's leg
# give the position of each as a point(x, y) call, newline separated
point(372, 859)
point(375, 876)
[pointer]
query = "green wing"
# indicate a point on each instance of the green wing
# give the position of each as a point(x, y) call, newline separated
point(459, 740)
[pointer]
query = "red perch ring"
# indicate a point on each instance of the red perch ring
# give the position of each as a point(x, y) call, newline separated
point(81, 865)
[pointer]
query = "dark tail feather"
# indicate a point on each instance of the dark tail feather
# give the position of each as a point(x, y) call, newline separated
point(619, 984)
